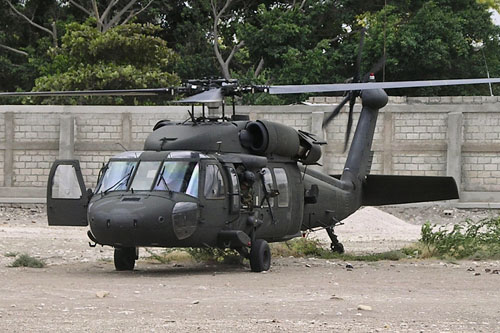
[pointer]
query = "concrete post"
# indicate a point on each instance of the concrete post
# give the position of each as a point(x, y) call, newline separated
point(388, 137)
point(67, 137)
point(127, 130)
point(454, 151)
point(8, 167)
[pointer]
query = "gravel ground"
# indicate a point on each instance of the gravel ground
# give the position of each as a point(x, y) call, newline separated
point(80, 291)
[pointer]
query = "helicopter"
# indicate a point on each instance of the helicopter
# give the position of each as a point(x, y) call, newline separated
point(232, 182)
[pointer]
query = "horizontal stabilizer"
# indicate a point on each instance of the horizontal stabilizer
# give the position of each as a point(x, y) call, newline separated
point(389, 190)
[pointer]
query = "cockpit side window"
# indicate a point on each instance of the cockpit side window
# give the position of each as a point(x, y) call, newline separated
point(214, 183)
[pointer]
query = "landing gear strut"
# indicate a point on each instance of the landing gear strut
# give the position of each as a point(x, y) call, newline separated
point(336, 246)
point(125, 258)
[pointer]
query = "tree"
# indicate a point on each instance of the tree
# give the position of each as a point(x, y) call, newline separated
point(111, 13)
point(123, 57)
point(433, 41)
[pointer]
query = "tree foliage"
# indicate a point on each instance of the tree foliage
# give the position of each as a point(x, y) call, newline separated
point(124, 57)
point(262, 42)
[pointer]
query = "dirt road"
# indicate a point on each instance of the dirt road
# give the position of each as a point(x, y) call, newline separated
point(80, 291)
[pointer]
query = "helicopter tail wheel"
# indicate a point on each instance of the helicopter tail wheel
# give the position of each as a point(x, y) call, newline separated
point(260, 256)
point(337, 247)
point(125, 258)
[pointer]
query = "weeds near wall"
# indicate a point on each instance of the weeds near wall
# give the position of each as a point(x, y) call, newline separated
point(467, 240)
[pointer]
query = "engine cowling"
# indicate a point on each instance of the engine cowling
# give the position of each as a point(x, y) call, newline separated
point(265, 137)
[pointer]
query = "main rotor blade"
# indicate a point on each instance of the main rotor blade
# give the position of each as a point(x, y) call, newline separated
point(317, 88)
point(209, 96)
point(119, 92)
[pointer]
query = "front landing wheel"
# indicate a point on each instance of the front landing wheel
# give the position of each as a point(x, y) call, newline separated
point(260, 256)
point(125, 258)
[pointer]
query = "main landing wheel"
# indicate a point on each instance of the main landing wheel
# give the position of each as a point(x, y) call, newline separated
point(125, 258)
point(260, 256)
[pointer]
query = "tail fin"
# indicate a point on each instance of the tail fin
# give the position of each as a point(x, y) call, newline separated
point(358, 159)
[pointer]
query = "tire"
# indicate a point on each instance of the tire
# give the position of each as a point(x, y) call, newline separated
point(260, 256)
point(338, 248)
point(125, 258)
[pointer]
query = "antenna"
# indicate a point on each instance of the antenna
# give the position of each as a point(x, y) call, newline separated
point(234, 108)
point(124, 149)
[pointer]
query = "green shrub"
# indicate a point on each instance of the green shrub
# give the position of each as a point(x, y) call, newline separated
point(25, 260)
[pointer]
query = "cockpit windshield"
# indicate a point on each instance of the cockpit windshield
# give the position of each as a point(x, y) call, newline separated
point(116, 176)
point(169, 175)
point(179, 176)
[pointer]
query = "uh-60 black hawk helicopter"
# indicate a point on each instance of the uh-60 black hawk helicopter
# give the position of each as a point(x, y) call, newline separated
point(231, 182)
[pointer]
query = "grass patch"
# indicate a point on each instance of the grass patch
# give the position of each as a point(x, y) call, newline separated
point(389, 255)
point(467, 240)
point(304, 247)
point(169, 255)
point(25, 260)
point(213, 254)
point(11, 254)
point(207, 254)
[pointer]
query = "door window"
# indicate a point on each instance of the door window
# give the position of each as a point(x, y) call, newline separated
point(268, 183)
point(282, 182)
point(214, 183)
point(235, 198)
point(65, 184)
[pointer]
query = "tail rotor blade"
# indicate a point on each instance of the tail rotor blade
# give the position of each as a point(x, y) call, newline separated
point(352, 102)
point(357, 69)
point(336, 111)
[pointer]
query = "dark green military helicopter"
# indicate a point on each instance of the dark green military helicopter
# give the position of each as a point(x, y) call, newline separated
point(231, 182)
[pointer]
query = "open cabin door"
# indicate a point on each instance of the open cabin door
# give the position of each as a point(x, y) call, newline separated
point(67, 198)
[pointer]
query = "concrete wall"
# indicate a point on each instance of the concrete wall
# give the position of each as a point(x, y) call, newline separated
point(456, 136)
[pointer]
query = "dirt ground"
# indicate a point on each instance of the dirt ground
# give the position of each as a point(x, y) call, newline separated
point(79, 290)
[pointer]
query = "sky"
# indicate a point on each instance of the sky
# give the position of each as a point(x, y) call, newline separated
point(496, 17)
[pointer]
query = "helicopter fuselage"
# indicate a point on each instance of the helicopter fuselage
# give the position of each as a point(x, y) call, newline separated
point(229, 184)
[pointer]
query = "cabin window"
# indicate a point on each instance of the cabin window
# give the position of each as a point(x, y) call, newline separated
point(145, 175)
point(235, 197)
point(282, 182)
point(214, 183)
point(117, 176)
point(268, 183)
point(179, 176)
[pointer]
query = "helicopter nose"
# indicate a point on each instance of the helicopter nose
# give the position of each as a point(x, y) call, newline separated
point(136, 220)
